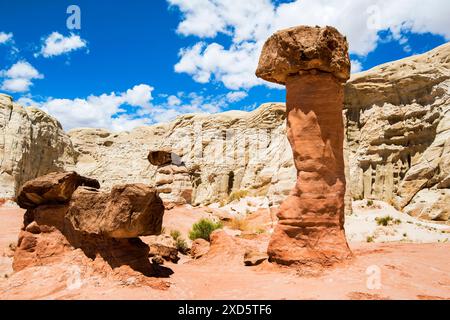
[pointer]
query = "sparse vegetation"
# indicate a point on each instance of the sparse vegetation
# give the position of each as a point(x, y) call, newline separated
point(369, 203)
point(405, 235)
point(384, 221)
point(203, 229)
point(370, 239)
point(175, 234)
point(180, 243)
point(238, 223)
point(237, 195)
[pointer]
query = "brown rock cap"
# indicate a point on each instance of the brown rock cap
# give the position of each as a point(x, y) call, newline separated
point(291, 51)
point(53, 188)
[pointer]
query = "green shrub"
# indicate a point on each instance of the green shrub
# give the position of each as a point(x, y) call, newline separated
point(203, 229)
point(384, 221)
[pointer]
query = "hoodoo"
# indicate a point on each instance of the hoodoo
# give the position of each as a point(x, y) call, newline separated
point(313, 63)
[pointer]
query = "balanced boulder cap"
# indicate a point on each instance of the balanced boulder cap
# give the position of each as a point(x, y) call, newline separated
point(313, 63)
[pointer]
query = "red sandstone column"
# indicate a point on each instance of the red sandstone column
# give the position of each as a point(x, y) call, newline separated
point(313, 63)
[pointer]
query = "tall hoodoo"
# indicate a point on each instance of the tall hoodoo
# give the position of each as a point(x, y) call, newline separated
point(313, 63)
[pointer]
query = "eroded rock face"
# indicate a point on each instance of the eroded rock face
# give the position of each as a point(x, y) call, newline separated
point(102, 225)
point(32, 144)
point(398, 133)
point(311, 220)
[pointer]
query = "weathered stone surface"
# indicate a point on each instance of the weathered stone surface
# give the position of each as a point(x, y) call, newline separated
point(53, 188)
point(311, 220)
point(163, 246)
point(199, 248)
point(254, 258)
point(303, 48)
point(129, 211)
point(32, 144)
point(398, 133)
point(160, 157)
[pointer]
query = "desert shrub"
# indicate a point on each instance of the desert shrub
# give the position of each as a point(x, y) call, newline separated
point(203, 229)
point(237, 195)
point(397, 221)
point(182, 245)
point(369, 203)
point(384, 221)
point(370, 239)
point(175, 234)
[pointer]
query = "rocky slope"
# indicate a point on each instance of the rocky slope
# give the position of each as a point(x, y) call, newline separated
point(32, 143)
point(398, 140)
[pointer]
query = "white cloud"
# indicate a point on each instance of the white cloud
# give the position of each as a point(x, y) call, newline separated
point(5, 37)
point(249, 23)
point(103, 111)
point(173, 101)
point(19, 77)
point(109, 110)
point(16, 85)
point(236, 96)
point(56, 44)
point(356, 66)
point(139, 96)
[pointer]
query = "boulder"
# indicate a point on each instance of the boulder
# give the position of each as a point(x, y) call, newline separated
point(53, 188)
point(290, 51)
point(163, 246)
point(128, 211)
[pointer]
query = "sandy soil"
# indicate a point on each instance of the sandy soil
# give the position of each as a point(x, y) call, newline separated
point(377, 271)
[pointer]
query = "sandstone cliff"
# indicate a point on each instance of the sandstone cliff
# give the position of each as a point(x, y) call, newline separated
point(32, 143)
point(398, 134)
point(397, 128)
point(217, 155)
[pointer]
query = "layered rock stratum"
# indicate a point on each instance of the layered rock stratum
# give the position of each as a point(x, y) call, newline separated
point(397, 130)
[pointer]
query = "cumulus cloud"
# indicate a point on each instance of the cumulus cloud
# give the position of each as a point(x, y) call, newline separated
point(249, 23)
point(173, 101)
point(356, 66)
point(19, 77)
point(236, 96)
point(56, 44)
point(5, 37)
point(109, 110)
point(103, 111)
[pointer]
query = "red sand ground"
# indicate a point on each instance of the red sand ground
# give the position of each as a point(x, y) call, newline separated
point(407, 271)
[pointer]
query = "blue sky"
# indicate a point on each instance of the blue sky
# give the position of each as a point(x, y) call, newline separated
point(139, 62)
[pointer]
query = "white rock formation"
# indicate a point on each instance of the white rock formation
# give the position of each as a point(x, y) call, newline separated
point(32, 144)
